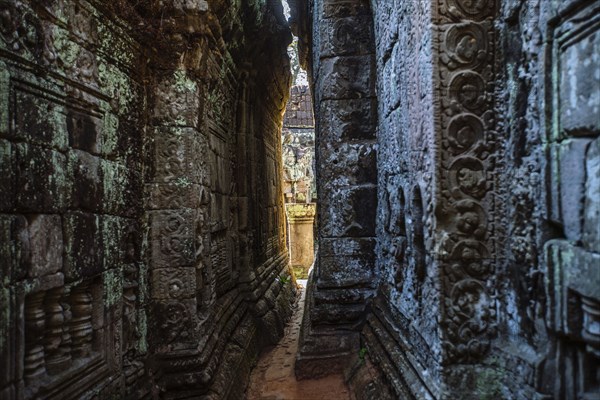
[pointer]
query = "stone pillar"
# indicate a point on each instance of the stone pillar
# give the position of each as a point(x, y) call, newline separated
point(301, 219)
point(346, 179)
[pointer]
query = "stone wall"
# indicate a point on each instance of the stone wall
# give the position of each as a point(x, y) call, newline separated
point(549, 266)
point(404, 313)
point(141, 209)
point(486, 270)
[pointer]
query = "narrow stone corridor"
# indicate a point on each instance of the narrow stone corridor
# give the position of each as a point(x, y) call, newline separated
point(442, 160)
point(273, 378)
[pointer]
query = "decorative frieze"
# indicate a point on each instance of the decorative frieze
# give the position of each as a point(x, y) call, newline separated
point(466, 56)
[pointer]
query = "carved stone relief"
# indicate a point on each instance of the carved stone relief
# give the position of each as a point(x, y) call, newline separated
point(466, 54)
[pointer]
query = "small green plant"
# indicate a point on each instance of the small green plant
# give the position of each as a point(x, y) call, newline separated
point(284, 279)
point(362, 353)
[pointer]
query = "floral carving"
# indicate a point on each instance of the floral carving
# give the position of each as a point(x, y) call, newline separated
point(467, 90)
point(466, 81)
point(467, 177)
point(464, 132)
point(466, 46)
point(175, 322)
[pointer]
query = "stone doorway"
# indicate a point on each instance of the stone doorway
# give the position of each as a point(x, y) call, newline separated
point(298, 148)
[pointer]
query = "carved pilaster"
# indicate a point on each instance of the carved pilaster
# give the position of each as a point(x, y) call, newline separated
point(466, 132)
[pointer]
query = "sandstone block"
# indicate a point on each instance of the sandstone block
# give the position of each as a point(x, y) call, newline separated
point(345, 262)
point(572, 186)
point(348, 211)
point(348, 77)
point(14, 246)
point(580, 87)
point(85, 132)
point(46, 241)
point(346, 36)
point(120, 187)
point(348, 164)
point(87, 190)
point(41, 179)
point(84, 245)
point(39, 120)
point(172, 238)
point(348, 120)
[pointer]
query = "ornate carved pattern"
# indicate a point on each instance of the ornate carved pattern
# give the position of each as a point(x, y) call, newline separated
point(19, 29)
point(176, 323)
point(476, 10)
point(170, 283)
point(173, 238)
point(466, 56)
point(24, 33)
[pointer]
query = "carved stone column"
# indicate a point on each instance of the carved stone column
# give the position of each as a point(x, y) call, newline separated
point(346, 179)
point(301, 219)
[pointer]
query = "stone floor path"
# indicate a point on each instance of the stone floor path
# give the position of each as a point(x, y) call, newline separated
point(273, 377)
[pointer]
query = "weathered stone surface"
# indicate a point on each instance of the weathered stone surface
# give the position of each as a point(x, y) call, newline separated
point(591, 213)
point(85, 172)
point(83, 240)
point(15, 247)
point(39, 120)
point(579, 84)
point(301, 239)
point(346, 77)
point(348, 211)
point(7, 175)
point(486, 149)
point(46, 241)
point(345, 262)
point(42, 185)
point(343, 72)
point(349, 120)
point(143, 240)
point(346, 36)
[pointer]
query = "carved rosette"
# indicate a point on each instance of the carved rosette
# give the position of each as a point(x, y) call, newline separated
point(466, 184)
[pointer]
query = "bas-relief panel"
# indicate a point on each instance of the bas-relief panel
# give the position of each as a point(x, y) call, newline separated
point(465, 208)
